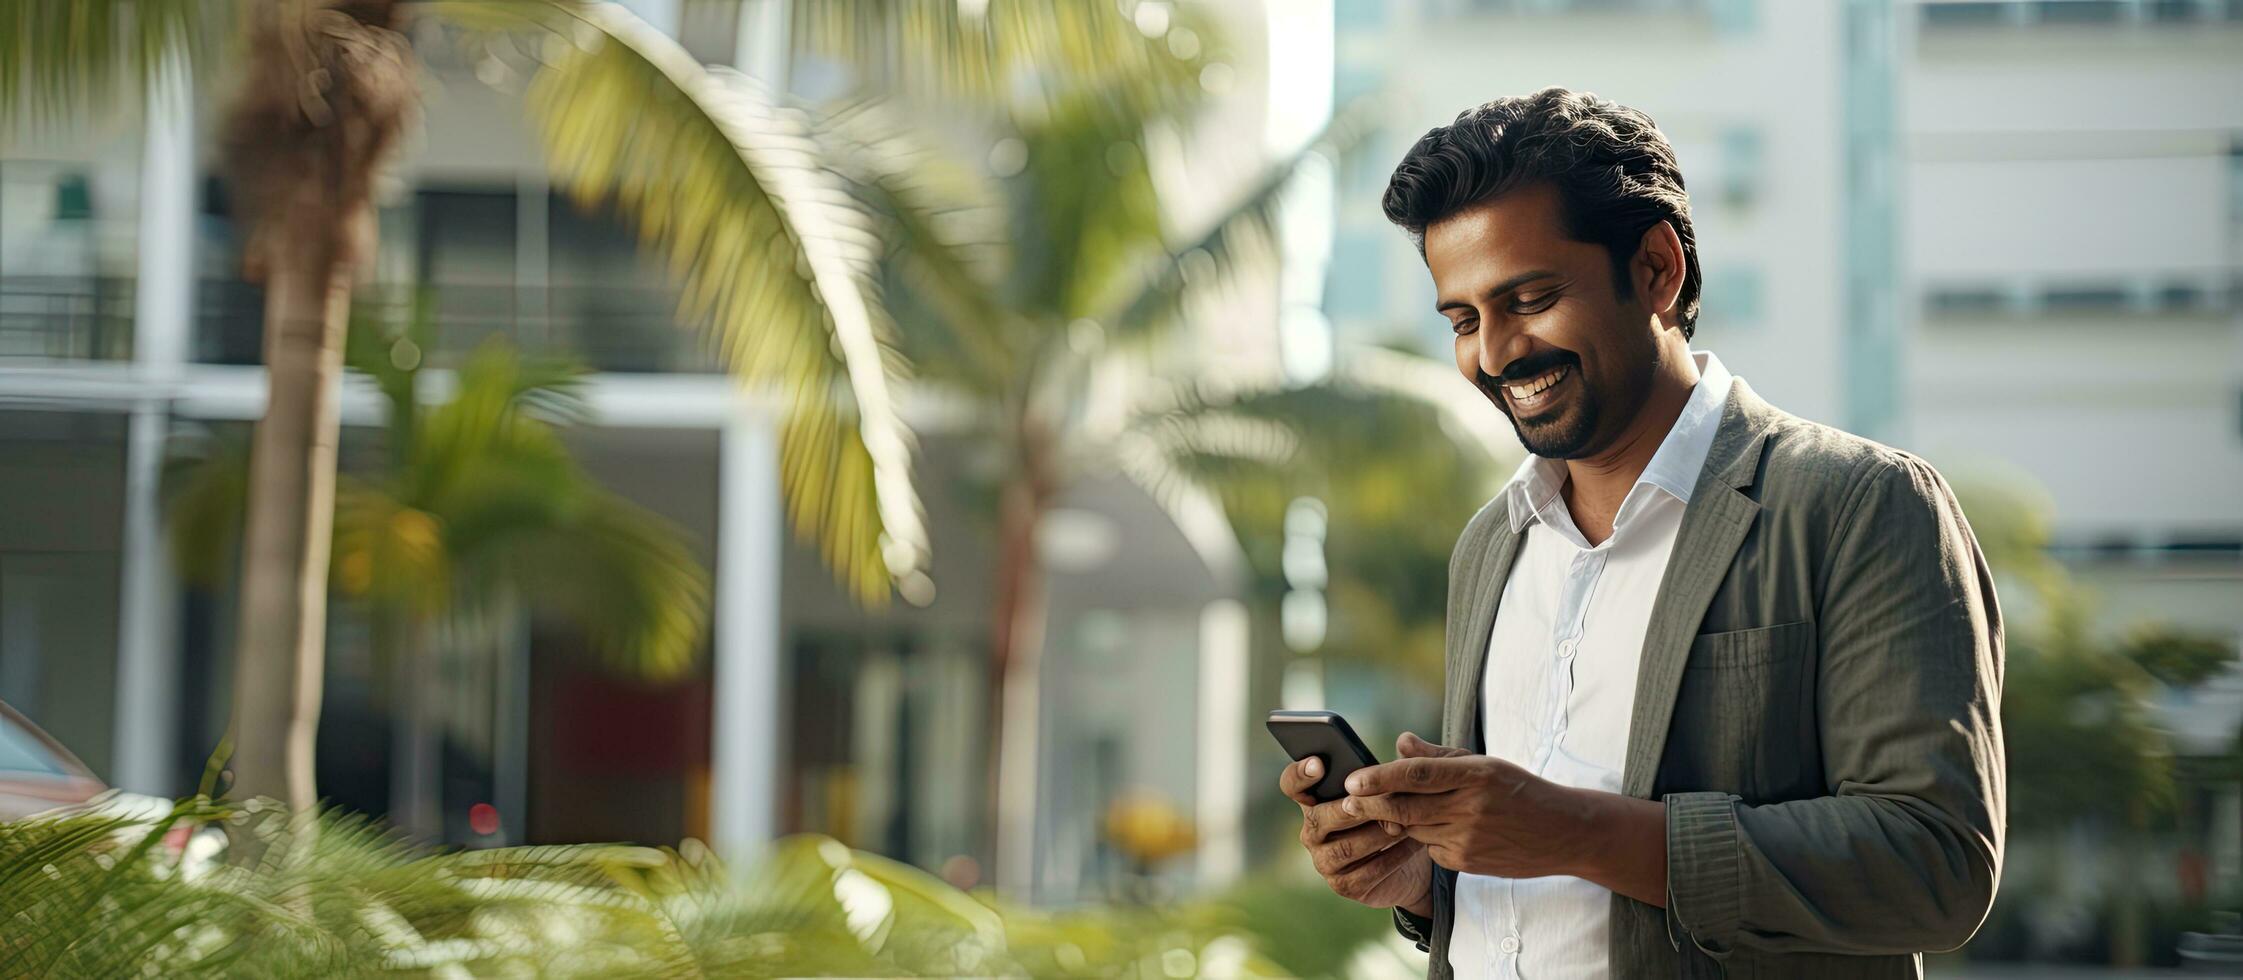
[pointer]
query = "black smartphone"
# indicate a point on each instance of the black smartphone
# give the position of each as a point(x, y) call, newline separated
point(1326, 735)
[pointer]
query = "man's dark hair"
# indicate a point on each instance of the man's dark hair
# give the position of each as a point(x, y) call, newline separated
point(1614, 172)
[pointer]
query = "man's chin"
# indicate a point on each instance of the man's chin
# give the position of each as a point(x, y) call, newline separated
point(1551, 438)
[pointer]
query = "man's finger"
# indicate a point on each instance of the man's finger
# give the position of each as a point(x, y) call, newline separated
point(1346, 848)
point(1362, 876)
point(1299, 778)
point(1406, 809)
point(1409, 746)
point(1434, 775)
point(1323, 820)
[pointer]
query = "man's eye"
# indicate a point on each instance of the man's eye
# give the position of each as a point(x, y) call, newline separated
point(1535, 304)
point(1463, 326)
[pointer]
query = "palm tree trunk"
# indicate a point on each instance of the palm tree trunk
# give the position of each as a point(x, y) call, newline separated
point(278, 663)
point(1016, 627)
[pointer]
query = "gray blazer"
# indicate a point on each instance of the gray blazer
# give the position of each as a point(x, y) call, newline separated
point(1818, 705)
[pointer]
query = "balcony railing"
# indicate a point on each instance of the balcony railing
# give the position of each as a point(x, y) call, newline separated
point(65, 318)
point(609, 328)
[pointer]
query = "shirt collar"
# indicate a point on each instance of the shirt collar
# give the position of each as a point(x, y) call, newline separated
point(1673, 468)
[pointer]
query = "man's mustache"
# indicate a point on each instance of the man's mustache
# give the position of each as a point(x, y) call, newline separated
point(1530, 366)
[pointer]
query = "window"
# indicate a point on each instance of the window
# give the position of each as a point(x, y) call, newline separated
point(464, 255)
point(1962, 14)
point(2080, 11)
point(1981, 13)
point(612, 301)
point(2176, 10)
point(2180, 297)
point(2235, 180)
point(1740, 164)
point(2084, 299)
point(1965, 301)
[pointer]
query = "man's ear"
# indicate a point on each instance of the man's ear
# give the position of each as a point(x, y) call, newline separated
point(1658, 270)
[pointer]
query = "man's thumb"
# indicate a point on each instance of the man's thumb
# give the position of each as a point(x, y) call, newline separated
point(1412, 747)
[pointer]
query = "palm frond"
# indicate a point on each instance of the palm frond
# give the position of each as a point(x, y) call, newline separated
point(337, 895)
point(774, 259)
point(205, 487)
point(622, 574)
point(1084, 209)
point(1022, 58)
point(1152, 296)
point(58, 60)
point(388, 550)
point(945, 235)
point(1462, 410)
point(1282, 441)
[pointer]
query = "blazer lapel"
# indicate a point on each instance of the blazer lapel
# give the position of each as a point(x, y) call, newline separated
point(1714, 526)
point(1468, 646)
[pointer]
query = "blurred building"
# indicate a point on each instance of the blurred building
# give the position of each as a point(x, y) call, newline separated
point(2074, 243)
point(2073, 219)
point(125, 328)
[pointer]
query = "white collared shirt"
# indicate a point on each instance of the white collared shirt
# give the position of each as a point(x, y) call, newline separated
point(1560, 682)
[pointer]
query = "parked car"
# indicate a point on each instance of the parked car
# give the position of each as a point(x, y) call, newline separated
point(37, 773)
point(39, 777)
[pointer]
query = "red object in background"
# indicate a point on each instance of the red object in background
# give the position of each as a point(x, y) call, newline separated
point(2195, 872)
point(611, 726)
point(482, 818)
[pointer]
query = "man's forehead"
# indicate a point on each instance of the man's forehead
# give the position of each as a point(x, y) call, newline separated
point(1524, 220)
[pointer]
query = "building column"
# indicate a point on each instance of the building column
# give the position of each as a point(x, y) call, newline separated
point(760, 48)
point(744, 696)
point(147, 718)
point(1224, 727)
point(1876, 311)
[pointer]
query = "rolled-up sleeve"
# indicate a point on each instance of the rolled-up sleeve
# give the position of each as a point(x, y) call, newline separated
point(1903, 853)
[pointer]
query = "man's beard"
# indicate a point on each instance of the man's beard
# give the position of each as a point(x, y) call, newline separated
point(1564, 432)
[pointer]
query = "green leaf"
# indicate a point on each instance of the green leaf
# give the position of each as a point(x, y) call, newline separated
point(63, 58)
point(772, 257)
point(1020, 58)
point(1151, 297)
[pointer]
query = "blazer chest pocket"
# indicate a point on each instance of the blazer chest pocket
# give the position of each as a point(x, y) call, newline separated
point(1744, 717)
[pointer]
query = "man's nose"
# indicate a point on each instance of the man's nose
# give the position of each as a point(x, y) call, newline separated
point(1498, 348)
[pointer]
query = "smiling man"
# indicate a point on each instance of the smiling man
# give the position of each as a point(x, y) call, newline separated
point(1723, 684)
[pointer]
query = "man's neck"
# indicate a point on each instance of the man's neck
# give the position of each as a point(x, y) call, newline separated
point(1596, 485)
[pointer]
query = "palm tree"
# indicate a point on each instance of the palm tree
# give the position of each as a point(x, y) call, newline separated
point(771, 261)
point(1044, 287)
point(480, 510)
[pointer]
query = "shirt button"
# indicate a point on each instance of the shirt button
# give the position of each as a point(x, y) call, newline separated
point(1510, 944)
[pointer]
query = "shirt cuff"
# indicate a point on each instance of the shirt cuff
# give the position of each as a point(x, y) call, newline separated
point(1414, 927)
point(1705, 869)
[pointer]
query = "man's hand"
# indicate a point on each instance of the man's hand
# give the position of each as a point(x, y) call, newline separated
point(1359, 859)
point(1476, 813)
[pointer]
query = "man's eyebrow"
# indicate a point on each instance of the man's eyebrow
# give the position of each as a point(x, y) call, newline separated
point(1499, 289)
